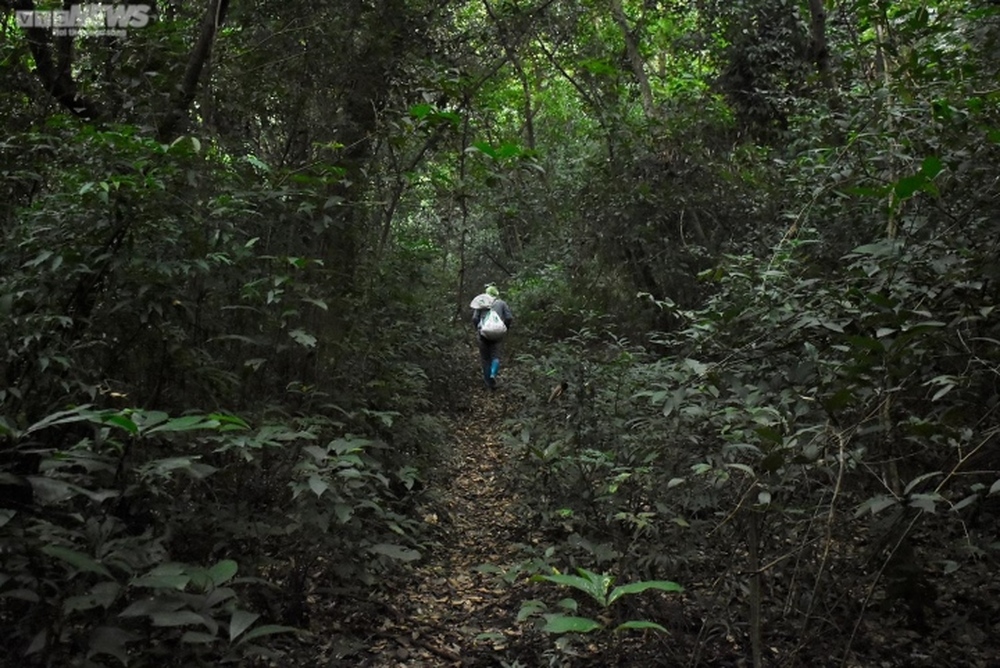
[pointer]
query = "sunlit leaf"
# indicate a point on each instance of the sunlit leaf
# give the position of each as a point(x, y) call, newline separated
point(303, 338)
point(638, 587)
point(223, 572)
point(556, 623)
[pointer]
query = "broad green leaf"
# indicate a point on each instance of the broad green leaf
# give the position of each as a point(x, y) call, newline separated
point(123, 422)
point(994, 488)
point(742, 467)
point(21, 595)
point(37, 643)
point(908, 185)
point(303, 338)
point(639, 624)
point(344, 512)
point(229, 420)
point(878, 249)
point(485, 148)
point(926, 502)
point(599, 583)
point(317, 302)
point(149, 419)
point(240, 622)
point(111, 640)
point(568, 604)
point(101, 595)
point(967, 501)
point(223, 572)
point(919, 479)
point(875, 505)
point(594, 589)
point(197, 638)
point(78, 560)
point(178, 582)
point(637, 587)
point(177, 618)
point(146, 607)
point(318, 485)
point(529, 608)
point(265, 630)
point(449, 116)
point(419, 111)
point(318, 453)
point(78, 414)
point(40, 258)
point(556, 623)
point(509, 150)
point(217, 596)
point(600, 66)
point(931, 166)
point(256, 162)
point(186, 423)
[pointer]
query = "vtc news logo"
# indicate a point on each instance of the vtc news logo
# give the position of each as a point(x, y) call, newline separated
point(87, 19)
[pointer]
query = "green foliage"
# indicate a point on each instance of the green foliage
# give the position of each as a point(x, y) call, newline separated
point(599, 589)
point(809, 364)
point(86, 560)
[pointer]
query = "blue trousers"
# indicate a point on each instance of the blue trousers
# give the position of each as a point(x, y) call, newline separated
point(489, 357)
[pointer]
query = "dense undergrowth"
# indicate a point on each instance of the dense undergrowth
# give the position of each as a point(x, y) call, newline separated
point(811, 452)
point(186, 445)
point(751, 252)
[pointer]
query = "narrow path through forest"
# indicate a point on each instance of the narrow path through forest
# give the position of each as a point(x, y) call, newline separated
point(450, 613)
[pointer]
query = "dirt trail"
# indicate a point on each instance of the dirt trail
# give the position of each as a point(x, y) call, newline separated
point(447, 606)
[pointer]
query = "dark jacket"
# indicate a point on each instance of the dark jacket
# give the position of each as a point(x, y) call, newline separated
point(500, 306)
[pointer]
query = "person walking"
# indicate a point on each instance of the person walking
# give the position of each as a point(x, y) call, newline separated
point(492, 317)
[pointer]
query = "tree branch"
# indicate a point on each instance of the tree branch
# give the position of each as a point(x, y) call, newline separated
point(56, 76)
point(215, 15)
point(635, 59)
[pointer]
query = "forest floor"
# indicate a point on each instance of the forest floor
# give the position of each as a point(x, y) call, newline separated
point(445, 611)
point(451, 609)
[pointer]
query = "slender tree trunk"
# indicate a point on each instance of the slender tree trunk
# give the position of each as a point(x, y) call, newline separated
point(820, 46)
point(510, 50)
point(463, 206)
point(56, 75)
point(635, 59)
point(188, 87)
point(882, 71)
point(753, 543)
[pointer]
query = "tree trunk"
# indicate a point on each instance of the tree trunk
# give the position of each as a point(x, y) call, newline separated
point(635, 59)
point(57, 77)
point(188, 87)
point(820, 46)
